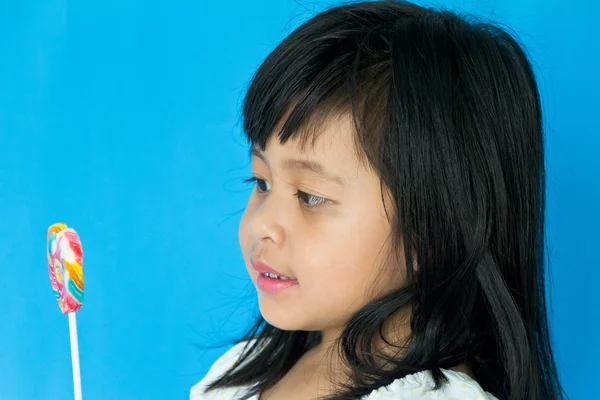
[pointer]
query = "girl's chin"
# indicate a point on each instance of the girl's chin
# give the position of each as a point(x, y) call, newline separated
point(279, 316)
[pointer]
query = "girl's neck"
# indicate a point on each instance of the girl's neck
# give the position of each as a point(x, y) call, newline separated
point(325, 354)
point(396, 331)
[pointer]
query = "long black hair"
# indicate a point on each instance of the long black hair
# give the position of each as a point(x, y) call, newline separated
point(447, 111)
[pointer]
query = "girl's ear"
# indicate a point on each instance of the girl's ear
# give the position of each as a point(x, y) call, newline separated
point(414, 253)
point(414, 258)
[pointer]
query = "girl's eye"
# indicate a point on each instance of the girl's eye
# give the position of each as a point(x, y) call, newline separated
point(262, 185)
point(309, 200)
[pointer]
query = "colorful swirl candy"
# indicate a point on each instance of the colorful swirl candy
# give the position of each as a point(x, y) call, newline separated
point(65, 267)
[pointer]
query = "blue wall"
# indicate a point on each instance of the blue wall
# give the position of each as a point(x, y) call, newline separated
point(121, 118)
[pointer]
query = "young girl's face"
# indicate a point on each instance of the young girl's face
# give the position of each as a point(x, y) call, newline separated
point(327, 230)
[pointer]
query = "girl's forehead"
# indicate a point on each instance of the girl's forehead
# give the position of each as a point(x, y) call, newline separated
point(332, 137)
point(332, 154)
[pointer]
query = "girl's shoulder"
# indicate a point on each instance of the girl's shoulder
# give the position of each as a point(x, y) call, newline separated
point(417, 386)
point(219, 367)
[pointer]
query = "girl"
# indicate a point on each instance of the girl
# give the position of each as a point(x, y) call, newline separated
point(395, 233)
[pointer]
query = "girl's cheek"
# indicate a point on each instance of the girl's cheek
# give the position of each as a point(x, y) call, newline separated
point(244, 235)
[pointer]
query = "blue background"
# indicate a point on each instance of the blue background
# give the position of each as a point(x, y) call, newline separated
point(122, 119)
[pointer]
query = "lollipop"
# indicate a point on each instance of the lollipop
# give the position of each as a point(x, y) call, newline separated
point(65, 267)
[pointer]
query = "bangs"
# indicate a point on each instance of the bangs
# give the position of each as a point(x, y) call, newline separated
point(306, 83)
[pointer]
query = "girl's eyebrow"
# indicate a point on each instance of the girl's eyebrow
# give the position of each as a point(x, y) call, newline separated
point(309, 165)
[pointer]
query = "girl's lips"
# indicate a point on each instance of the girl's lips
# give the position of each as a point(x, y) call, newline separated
point(273, 285)
point(265, 269)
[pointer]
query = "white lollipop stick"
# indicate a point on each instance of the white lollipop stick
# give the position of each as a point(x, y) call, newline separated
point(75, 355)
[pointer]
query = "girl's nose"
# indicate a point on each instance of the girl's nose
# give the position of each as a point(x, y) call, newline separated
point(266, 222)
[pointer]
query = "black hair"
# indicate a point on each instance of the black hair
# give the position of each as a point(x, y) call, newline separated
point(446, 109)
